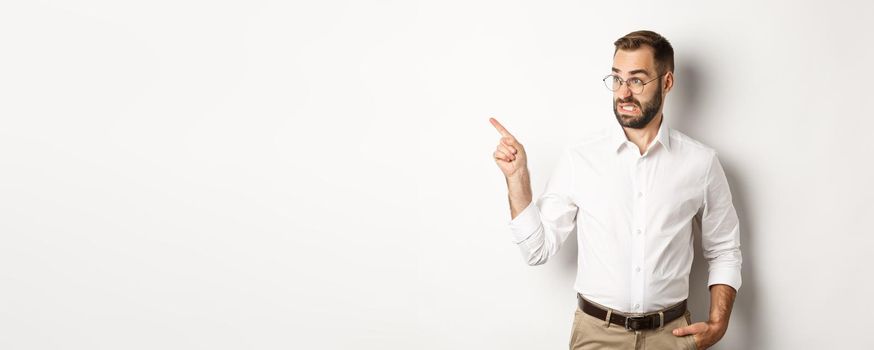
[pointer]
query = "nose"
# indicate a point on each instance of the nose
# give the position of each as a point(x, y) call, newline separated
point(623, 92)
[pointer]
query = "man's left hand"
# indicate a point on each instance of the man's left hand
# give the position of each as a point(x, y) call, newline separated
point(705, 334)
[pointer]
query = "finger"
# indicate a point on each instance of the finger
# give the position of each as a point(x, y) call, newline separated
point(503, 149)
point(507, 149)
point(510, 141)
point(501, 129)
point(501, 156)
point(691, 329)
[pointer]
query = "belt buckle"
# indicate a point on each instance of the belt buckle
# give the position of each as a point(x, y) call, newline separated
point(637, 318)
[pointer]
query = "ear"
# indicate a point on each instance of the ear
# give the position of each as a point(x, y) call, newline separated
point(669, 82)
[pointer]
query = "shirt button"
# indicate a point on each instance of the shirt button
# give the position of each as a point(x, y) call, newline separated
point(637, 269)
point(636, 306)
point(639, 231)
point(639, 194)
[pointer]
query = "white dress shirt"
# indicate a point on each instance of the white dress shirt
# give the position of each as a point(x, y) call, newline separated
point(634, 215)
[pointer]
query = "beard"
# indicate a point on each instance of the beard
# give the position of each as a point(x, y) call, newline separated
point(647, 112)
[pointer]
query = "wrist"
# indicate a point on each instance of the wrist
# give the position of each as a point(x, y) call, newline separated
point(519, 187)
point(720, 325)
point(519, 177)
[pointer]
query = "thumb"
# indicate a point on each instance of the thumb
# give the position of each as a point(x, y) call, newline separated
point(691, 329)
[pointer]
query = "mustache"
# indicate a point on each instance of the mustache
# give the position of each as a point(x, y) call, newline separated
point(627, 100)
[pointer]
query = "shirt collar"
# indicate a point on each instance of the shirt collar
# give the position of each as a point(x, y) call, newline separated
point(663, 136)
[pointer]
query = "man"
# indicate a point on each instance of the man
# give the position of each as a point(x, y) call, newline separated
point(633, 193)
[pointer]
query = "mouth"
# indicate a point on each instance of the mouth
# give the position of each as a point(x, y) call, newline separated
point(628, 108)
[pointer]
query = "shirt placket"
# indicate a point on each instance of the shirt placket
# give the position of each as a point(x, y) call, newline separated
point(638, 233)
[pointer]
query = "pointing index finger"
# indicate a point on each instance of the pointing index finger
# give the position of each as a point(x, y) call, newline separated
point(499, 127)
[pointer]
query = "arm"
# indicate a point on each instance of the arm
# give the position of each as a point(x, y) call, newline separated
point(720, 240)
point(538, 228)
point(519, 192)
point(721, 302)
point(512, 160)
point(708, 333)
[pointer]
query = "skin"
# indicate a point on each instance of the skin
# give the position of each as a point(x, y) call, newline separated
point(511, 158)
point(640, 64)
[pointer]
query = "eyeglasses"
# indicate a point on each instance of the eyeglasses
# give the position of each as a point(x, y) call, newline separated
point(614, 82)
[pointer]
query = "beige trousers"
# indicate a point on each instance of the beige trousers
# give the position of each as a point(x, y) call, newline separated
point(590, 333)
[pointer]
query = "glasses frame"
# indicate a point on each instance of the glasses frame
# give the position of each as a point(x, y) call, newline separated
point(625, 82)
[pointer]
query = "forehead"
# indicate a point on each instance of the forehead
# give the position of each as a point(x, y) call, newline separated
point(629, 60)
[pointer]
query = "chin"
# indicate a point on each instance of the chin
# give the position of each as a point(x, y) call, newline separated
point(631, 119)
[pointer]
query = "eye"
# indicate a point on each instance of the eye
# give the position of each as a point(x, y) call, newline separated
point(635, 81)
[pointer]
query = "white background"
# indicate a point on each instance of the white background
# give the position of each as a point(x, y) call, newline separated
point(318, 175)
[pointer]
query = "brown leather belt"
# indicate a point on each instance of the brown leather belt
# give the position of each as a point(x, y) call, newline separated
point(637, 322)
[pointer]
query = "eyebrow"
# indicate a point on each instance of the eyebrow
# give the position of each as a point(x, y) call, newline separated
point(633, 72)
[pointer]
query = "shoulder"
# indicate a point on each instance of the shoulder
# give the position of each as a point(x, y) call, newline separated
point(689, 146)
point(694, 154)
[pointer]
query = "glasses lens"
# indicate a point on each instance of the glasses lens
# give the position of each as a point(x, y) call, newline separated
point(612, 82)
point(636, 85)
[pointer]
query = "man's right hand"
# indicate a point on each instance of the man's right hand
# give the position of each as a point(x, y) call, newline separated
point(511, 158)
point(509, 155)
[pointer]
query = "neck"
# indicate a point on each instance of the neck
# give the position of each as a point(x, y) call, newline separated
point(643, 137)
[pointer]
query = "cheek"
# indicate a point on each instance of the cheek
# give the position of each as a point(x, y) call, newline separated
point(646, 101)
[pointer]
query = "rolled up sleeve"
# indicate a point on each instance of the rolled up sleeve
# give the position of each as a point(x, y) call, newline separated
point(541, 228)
point(720, 229)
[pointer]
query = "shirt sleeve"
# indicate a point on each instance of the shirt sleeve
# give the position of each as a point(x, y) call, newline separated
point(720, 229)
point(541, 228)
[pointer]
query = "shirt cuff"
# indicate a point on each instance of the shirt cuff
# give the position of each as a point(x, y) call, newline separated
point(726, 275)
point(525, 224)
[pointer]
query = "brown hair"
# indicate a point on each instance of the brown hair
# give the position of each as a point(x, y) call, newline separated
point(663, 52)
